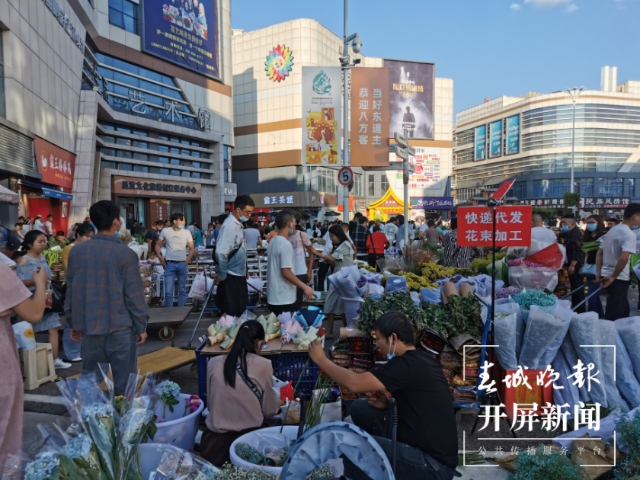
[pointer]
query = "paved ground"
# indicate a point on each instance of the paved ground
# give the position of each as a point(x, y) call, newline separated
point(41, 401)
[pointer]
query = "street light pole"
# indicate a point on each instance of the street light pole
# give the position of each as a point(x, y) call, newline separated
point(575, 94)
point(345, 122)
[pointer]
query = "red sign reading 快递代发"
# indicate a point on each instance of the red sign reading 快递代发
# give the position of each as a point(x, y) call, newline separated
point(513, 226)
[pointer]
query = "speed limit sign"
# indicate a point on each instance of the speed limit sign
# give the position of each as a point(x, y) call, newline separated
point(345, 176)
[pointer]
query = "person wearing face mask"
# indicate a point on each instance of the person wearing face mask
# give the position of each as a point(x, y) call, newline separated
point(571, 237)
point(594, 231)
point(231, 255)
point(179, 250)
point(427, 434)
point(281, 262)
point(105, 304)
point(612, 263)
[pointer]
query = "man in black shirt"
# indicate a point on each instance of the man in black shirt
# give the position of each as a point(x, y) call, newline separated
point(153, 235)
point(359, 237)
point(571, 237)
point(427, 434)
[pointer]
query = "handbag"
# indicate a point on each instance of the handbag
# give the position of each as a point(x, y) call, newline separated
point(249, 383)
point(58, 297)
point(588, 269)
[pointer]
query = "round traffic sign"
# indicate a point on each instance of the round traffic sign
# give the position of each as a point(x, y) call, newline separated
point(345, 176)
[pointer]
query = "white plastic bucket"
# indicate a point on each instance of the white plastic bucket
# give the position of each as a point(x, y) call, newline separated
point(177, 430)
point(290, 432)
point(351, 306)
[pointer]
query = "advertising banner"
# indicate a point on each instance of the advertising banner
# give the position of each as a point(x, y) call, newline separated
point(432, 203)
point(513, 226)
point(481, 143)
point(411, 98)
point(370, 117)
point(495, 139)
point(158, 188)
point(321, 115)
point(56, 165)
point(513, 135)
point(184, 32)
point(427, 161)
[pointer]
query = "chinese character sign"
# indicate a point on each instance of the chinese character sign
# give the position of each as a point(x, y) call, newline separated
point(495, 139)
point(411, 98)
point(513, 135)
point(432, 203)
point(321, 115)
point(55, 164)
point(183, 32)
point(370, 117)
point(513, 226)
point(429, 167)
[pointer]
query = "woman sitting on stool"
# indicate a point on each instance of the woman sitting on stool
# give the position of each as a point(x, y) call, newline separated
point(240, 394)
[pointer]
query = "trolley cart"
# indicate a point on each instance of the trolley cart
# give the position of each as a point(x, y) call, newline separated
point(167, 318)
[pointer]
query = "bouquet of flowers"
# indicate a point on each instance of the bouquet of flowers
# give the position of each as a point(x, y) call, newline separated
point(191, 404)
point(169, 392)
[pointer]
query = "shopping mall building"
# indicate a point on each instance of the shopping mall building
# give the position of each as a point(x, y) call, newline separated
point(530, 140)
point(269, 129)
point(112, 99)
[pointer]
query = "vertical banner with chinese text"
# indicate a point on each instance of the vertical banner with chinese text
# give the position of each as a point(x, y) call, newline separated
point(513, 226)
point(480, 142)
point(370, 117)
point(321, 115)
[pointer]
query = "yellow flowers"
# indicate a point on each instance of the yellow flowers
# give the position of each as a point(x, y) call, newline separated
point(416, 282)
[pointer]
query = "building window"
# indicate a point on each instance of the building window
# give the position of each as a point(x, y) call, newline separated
point(555, 188)
point(519, 190)
point(2, 101)
point(384, 183)
point(140, 168)
point(631, 183)
point(124, 14)
point(125, 166)
point(357, 187)
point(105, 164)
point(610, 187)
point(585, 187)
point(372, 185)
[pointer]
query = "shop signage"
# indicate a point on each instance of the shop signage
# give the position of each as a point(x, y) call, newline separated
point(513, 135)
point(65, 22)
point(321, 115)
point(480, 142)
point(370, 117)
point(432, 203)
point(427, 161)
point(148, 187)
point(288, 200)
point(279, 63)
point(513, 226)
point(56, 165)
point(411, 98)
point(184, 33)
point(604, 202)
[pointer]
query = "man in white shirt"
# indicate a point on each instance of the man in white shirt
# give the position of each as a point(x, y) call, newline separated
point(541, 233)
point(302, 249)
point(390, 230)
point(612, 262)
point(178, 243)
point(252, 235)
point(282, 284)
point(48, 225)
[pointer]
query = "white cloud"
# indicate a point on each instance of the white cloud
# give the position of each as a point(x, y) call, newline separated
point(572, 8)
point(547, 3)
point(515, 7)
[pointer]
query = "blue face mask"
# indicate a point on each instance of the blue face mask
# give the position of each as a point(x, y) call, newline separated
point(564, 228)
point(181, 227)
point(243, 219)
point(117, 234)
point(392, 355)
point(592, 227)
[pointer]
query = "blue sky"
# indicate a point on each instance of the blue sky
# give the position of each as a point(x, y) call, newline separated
point(490, 48)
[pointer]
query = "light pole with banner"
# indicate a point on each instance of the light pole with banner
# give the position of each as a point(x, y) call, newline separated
point(404, 151)
point(345, 61)
point(575, 94)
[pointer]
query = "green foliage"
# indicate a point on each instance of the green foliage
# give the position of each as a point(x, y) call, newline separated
point(140, 239)
point(435, 250)
point(628, 428)
point(546, 213)
point(553, 465)
point(571, 199)
point(372, 309)
point(459, 315)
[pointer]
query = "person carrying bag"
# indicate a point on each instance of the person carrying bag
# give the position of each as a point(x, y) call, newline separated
point(377, 242)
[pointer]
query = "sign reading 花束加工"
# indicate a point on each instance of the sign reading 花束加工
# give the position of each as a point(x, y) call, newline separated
point(184, 32)
point(513, 226)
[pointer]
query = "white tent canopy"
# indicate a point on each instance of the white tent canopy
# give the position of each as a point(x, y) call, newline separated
point(8, 196)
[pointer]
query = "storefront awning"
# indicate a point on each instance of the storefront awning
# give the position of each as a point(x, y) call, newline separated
point(48, 192)
point(8, 196)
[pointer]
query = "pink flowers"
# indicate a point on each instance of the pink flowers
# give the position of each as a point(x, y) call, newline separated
point(192, 404)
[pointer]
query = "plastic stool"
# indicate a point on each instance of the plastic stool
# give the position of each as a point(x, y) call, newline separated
point(38, 366)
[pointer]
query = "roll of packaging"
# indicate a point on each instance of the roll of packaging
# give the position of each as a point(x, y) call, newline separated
point(448, 290)
point(465, 289)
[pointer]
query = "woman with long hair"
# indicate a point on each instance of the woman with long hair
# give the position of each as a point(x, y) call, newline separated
point(341, 256)
point(455, 256)
point(595, 229)
point(240, 394)
point(35, 242)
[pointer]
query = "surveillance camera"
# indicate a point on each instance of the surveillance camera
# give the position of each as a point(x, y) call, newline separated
point(345, 60)
point(356, 44)
point(357, 61)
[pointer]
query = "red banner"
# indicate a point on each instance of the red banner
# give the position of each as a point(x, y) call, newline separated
point(513, 226)
point(56, 165)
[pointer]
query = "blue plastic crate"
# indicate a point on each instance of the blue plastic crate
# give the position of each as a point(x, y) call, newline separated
point(286, 366)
